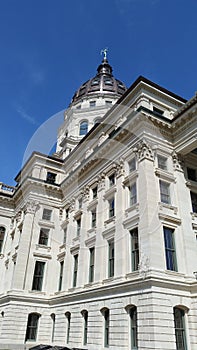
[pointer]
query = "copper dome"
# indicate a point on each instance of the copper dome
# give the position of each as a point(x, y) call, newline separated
point(103, 83)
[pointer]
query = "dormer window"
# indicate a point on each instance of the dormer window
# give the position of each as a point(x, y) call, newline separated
point(51, 177)
point(83, 128)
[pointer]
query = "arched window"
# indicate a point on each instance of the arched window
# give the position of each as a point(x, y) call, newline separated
point(85, 326)
point(53, 327)
point(83, 128)
point(133, 331)
point(179, 324)
point(2, 235)
point(32, 326)
point(68, 317)
point(105, 313)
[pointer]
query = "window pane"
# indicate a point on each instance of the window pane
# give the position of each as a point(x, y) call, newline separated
point(91, 269)
point(46, 214)
point(134, 249)
point(38, 275)
point(133, 324)
point(83, 128)
point(32, 324)
point(165, 192)
point(44, 235)
point(2, 235)
point(111, 259)
point(170, 249)
point(180, 329)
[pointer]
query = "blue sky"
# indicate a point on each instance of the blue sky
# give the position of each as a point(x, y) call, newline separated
point(50, 47)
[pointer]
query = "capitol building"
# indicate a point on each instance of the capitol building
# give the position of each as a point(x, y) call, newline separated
point(98, 241)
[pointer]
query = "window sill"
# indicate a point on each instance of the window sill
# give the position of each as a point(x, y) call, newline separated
point(165, 175)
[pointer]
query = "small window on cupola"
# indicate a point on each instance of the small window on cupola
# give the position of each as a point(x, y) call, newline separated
point(83, 128)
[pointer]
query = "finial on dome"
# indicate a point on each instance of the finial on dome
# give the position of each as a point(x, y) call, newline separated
point(104, 53)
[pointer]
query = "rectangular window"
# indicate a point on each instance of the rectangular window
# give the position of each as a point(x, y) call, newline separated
point(133, 324)
point(65, 235)
point(61, 275)
point(80, 203)
point(2, 235)
point(111, 180)
point(179, 323)
point(133, 194)
point(194, 201)
point(162, 162)
point(94, 192)
point(44, 236)
point(191, 174)
point(91, 268)
point(67, 213)
point(94, 218)
point(111, 208)
point(158, 111)
point(170, 252)
point(75, 270)
point(106, 328)
point(164, 192)
point(47, 214)
point(51, 177)
point(38, 275)
point(78, 226)
point(111, 258)
point(32, 326)
point(134, 249)
point(85, 336)
point(132, 165)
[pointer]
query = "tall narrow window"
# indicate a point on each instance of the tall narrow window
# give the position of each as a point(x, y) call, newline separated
point(83, 128)
point(44, 236)
point(75, 270)
point(38, 275)
point(2, 235)
point(134, 249)
point(133, 194)
point(179, 323)
point(94, 217)
point(111, 208)
point(133, 327)
point(68, 317)
point(194, 201)
point(85, 330)
point(65, 235)
point(78, 226)
point(111, 258)
point(132, 165)
point(32, 327)
point(111, 180)
point(164, 192)
point(61, 275)
point(91, 268)
point(53, 327)
point(94, 192)
point(170, 252)
point(106, 327)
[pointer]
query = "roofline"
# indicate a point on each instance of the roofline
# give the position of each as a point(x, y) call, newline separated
point(37, 154)
point(151, 83)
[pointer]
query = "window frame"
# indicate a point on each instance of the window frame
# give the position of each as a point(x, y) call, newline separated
point(38, 276)
point(132, 194)
point(32, 329)
point(91, 264)
point(165, 196)
point(2, 233)
point(111, 258)
point(162, 162)
point(44, 236)
point(180, 329)
point(68, 317)
point(83, 128)
point(111, 203)
point(61, 275)
point(132, 311)
point(134, 239)
point(75, 269)
point(46, 214)
point(170, 249)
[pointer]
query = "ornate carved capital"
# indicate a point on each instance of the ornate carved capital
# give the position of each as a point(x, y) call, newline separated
point(144, 151)
point(177, 162)
point(31, 207)
point(101, 182)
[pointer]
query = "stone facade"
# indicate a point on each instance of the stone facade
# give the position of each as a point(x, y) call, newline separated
point(98, 243)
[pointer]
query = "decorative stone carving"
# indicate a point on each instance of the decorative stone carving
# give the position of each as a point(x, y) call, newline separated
point(144, 151)
point(86, 193)
point(120, 171)
point(177, 162)
point(101, 182)
point(31, 207)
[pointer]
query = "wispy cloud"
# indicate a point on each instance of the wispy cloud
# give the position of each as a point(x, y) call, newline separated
point(37, 76)
point(23, 114)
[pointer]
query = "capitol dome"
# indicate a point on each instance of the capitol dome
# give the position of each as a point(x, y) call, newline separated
point(103, 84)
